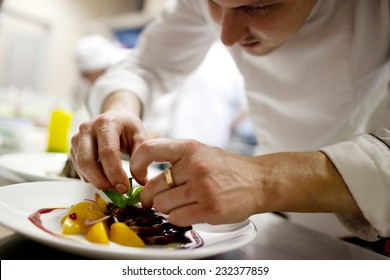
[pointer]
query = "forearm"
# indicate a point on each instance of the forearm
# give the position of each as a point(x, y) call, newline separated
point(303, 182)
point(123, 100)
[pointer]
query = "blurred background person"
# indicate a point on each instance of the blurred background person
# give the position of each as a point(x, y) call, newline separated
point(94, 54)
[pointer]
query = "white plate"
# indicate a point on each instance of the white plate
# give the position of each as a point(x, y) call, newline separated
point(36, 166)
point(19, 201)
point(44, 166)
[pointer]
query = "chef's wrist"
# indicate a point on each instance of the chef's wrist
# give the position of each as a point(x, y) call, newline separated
point(123, 100)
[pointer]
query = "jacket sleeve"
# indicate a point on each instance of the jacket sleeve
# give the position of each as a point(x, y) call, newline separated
point(364, 164)
point(169, 48)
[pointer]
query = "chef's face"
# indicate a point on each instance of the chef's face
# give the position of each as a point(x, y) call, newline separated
point(259, 26)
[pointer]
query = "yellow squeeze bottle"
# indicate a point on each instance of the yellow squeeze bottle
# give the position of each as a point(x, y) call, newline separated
point(59, 127)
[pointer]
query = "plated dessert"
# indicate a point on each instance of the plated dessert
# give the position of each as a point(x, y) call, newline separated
point(131, 225)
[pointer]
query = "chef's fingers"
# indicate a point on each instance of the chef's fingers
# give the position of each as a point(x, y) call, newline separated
point(154, 186)
point(156, 150)
point(87, 158)
point(108, 154)
point(73, 158)
point(191, 214)
point(175, 197)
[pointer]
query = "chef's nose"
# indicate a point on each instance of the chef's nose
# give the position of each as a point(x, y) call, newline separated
point(234, 27)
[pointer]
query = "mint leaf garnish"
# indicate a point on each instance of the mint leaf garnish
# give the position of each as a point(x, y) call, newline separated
point(122, 200)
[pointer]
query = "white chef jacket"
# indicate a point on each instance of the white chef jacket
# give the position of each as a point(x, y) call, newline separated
point(326, 88)
point(202, 108)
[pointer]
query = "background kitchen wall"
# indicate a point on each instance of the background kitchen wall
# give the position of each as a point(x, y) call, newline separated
point(37, 39)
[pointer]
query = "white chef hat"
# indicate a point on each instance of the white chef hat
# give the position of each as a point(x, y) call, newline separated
point(94, 52)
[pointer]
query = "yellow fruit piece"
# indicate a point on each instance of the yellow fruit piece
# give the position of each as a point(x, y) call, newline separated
point(100, 201)
point(74, 221)
point(120, 233)
point(84, 206)
point(98, 233)
point(72, 226)
point(90, 205)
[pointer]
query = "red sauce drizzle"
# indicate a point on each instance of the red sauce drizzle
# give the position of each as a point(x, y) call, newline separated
point(35, 218)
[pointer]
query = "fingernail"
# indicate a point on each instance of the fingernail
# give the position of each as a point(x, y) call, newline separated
point(121, 188)
point(142, 182)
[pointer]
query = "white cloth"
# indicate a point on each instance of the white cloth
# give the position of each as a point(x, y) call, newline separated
point(201, 107)
point(325, 89)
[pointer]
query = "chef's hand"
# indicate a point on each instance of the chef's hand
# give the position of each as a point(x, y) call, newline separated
point(216, 187)
point(96, 148)
point(210, 184)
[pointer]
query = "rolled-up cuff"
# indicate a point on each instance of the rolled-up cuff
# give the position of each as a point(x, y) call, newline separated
point(364, 164)
point(107, 86)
